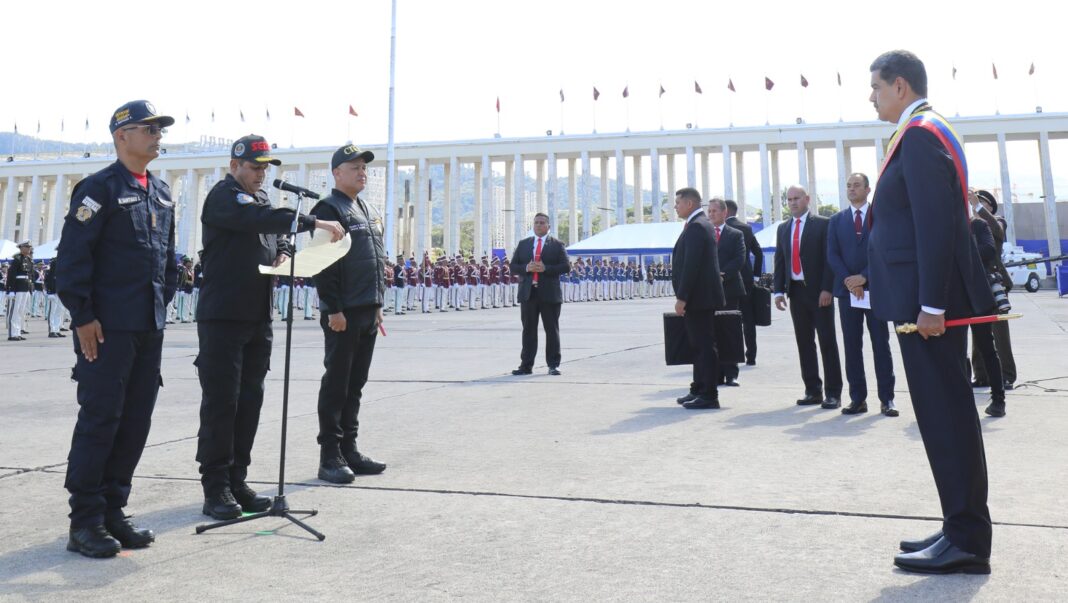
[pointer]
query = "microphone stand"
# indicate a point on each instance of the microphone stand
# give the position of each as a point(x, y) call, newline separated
point(280, 508)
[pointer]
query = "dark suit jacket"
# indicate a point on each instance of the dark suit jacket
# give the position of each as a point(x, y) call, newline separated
point(732, 257)
point(554, 256)
point(985, 244)
point(818, 276)
point(695, 267)
point(756, 265)
point(846, 253)
point(920, 245)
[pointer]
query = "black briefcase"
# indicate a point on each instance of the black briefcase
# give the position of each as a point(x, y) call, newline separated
point(676, 346)
point(760, 300)
point(729, 337)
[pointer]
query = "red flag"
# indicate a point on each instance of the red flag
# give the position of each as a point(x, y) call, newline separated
point(353, 112)
point(839, 78)
point(697, 87)
point(768, 84)
point(804, 82)
point(626, 91)
point(730, 85)
point(596, 93)
point(297, 113)
point(662, 91)
point(1031, 71)
point(561, 95)
point(954, 72)
point(498, 104)
point(995, 69)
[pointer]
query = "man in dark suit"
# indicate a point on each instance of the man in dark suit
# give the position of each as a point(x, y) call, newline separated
point(698, 293)
point(750, 273)
point(923, 267)
point(847, 255)
point(802, 274)
point(732, 257)
point(540, 260)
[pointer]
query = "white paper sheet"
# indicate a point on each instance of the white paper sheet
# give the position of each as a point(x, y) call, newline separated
point(311, 260)
point(864, 302)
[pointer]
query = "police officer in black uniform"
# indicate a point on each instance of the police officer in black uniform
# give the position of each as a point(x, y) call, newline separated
point(241, 232)
point(116, 273)
point(351, 293)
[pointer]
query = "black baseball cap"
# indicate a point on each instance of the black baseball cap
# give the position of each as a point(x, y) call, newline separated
point(253, 148)
point(349, 153)
point(138, 112)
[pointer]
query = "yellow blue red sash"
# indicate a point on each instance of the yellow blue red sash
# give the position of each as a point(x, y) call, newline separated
point(937, 125)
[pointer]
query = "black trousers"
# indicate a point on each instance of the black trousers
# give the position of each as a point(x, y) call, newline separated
point(529, 312)
point(1003, 345)
point(233, 362)
point(853, 321)
point(745, 304)
point(729, 369)
point(701, 334)
point(116, 395)
point(812, 321)
point(988, 356)
point(347, 360)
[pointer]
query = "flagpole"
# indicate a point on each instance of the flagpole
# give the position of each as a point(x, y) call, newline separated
point(1034, 88)
point(390, 159)
point(37, 141)
point(626, 107)
point(660, 105)
point(997, 108)
point(561, 116)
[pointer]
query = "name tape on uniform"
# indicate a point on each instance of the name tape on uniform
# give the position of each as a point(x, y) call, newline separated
point(128, 200)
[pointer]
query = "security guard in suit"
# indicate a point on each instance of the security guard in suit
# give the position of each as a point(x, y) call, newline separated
point(241, 232)
point(116, 273)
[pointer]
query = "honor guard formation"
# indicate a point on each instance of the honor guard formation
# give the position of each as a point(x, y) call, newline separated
point(116, 283)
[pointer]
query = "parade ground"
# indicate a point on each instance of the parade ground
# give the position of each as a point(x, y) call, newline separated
point(590, 486)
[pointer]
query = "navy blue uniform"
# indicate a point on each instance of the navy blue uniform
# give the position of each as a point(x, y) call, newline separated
point(234, 324)
point(115, 264)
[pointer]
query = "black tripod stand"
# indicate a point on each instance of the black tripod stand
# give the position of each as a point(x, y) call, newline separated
point(280, 508)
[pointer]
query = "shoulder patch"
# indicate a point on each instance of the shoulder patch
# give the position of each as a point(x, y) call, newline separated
point(84, 214)
point(89, 203)
point(245, 198)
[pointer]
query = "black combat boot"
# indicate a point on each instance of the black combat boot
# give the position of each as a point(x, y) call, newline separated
point(332, 466)
point(359, 463)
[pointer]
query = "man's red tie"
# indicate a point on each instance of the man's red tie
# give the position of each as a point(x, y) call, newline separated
point(537, 257)
point(795, 249)
point(857, 224)
point(717, 234)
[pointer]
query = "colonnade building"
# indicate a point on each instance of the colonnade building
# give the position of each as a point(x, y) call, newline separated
point(34, 194)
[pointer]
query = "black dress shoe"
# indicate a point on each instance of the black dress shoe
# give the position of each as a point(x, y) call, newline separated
point(221, 505)
point(831, 403)
point(911, 546)
point(248, 499)
point(1009, 386)
point(93, 542)
point(978, 383)
point(362, 464)
point(335, 469)
point(701, 402)
point(686, 398)
point(129, 535)
point(856, 408)
point(554, 371)
point(887, 408)
point(730, 382)
point(750, 362)
point(996, 408)
point(53, 335)
point(809, 400)
point(942, 557)
point(19, 338)
point(522, 371)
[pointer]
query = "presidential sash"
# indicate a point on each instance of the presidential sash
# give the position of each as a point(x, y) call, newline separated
point(934, 123)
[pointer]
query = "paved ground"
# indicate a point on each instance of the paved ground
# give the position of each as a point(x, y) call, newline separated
point(589, 486)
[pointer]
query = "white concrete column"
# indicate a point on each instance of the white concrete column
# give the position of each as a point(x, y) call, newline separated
point(811, 165)
point(802, 167)
point(839, 149)
point(419, 197)
point(776, 188)
point(691, 169)
point(390, 212)
point(487, 203)
point(539, 195)
point(639, 209)
point(880, 152)
point(1053, 231)
point(1005, 204)
point(59, 204)
point(584, 192)
point(479, 220)
point(706, 177)
point(572, 202)
point(672, 216)
point(739, 168)
point(519, 189)
point(550, 196)
point(606, 212)
point(621, 188)
point(31, 212)
point(455, 206)
point(765, 186)
point(8, 209)
point(187, 207)
point(654, 164)
point(446, 209)
point(728, 174)
point(508, 216)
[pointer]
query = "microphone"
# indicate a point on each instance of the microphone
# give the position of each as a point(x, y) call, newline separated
point(293, 188)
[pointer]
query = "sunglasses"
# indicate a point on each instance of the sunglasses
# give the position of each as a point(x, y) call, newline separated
point(152, 129)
